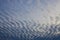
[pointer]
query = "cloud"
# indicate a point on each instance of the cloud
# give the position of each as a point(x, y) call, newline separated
point(31, 9)
point(44, 9)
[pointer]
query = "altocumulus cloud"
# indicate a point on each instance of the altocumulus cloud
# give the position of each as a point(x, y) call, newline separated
point(29, 19)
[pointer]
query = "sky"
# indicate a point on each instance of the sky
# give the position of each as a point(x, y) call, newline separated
point(43, 11)
point(38, 10)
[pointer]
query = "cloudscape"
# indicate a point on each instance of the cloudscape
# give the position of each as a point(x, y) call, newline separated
point(29, 19)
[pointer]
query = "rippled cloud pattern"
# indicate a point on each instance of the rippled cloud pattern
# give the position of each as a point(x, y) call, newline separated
point(29, 20)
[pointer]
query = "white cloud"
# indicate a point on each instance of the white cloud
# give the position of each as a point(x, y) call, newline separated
point(42, 11)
